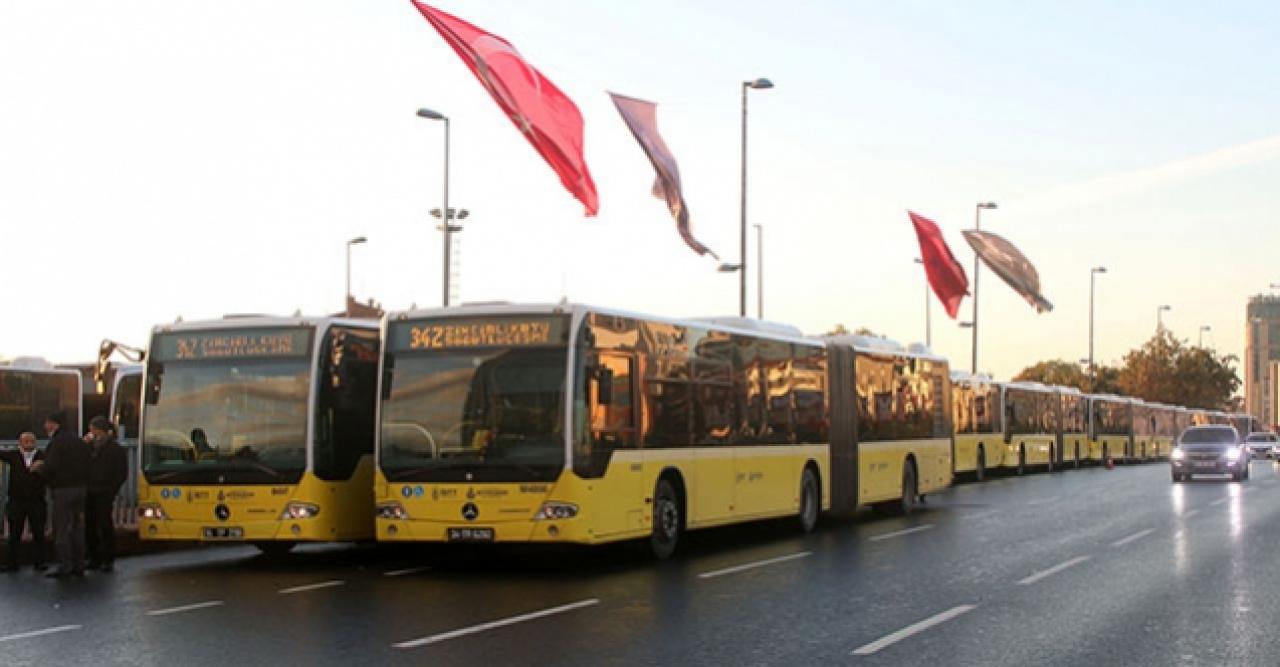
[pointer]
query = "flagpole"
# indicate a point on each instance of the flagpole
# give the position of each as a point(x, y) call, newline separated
point(928, 318)
point(977, 223)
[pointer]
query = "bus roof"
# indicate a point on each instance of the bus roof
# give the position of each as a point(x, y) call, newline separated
point(239, 322)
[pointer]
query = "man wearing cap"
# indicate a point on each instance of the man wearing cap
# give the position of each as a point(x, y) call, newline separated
point(26, 505)
point(108, 470)
point(66, 471)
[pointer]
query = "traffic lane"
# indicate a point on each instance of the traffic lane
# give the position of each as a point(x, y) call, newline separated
point(1200, 589)
point(479, 593)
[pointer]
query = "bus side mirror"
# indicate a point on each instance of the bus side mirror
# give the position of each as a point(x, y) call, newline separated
point(387, 367)
point(151, 395)
point(604, 385)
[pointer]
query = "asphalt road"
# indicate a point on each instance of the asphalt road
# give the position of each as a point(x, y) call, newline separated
point(1090, 567)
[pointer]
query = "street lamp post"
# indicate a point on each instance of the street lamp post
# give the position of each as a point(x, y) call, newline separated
point(759, 271)
point(977, 223)
point(758, 84)
point(1093, 276)
point(346, 302)
point(446, 212)
point(928, 319)
point(1203, 328)
point(1160, 311)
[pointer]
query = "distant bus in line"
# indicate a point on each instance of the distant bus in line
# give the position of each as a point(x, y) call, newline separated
point(568, 423)
point(32, 389)
point(259, 429)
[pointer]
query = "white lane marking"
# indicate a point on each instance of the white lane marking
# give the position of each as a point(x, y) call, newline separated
point(900, 533)
point(38, 633)
point(1053, 570)
point(1219, 501)
point(982, 515)
point(1136, 536)
point(1191, 512)
point(407, 570)
point(453, 634)
point(311, 587)
point(753, 565)
point(185, 607)
point(914, 628)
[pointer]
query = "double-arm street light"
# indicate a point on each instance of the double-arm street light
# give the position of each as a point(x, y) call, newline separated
point(731, 268)
point(1093, 278)
point(977, 223)
point(1203, 328)
point(758, 84)
point(1160, 311)
point(346, 302)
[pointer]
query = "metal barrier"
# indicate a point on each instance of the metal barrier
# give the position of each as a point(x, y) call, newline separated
point(125, 510)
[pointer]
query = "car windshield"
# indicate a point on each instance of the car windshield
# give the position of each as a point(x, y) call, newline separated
point(1209, 436)
point(481, 414)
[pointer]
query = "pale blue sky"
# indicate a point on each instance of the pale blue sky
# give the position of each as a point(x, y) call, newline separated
point(171, 157)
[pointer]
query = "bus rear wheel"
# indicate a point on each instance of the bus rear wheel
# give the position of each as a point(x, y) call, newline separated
point(667, 525)
point(980, 468)
point(1022, 459)
point(1051, 454)
point(275, 549)
point(810, 504)
point(1077, 463)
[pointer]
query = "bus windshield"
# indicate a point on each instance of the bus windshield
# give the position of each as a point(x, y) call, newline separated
point(480, 414)
point(234, 421)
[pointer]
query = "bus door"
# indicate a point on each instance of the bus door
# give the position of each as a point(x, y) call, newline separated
point(618, 492)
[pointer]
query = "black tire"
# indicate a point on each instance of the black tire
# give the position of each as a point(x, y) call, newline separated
point(810, 501)
point(1022, 459)
point(275, 549)
point(910, 489)
point(668, 521)
point(1077, 464)
point(1177, 478)
point(980, 468)
point(1051, 453)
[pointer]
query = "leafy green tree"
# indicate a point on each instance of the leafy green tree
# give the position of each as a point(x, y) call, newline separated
point(1066, 374)
point(1165, 370)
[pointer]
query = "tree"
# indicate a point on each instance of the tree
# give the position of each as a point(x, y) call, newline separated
point(1066, 374)
point(1164, 370)
point(842, 330)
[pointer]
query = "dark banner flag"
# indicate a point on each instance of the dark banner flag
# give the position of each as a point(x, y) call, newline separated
point(642, 118)
point(543, 114)
point(1011, 265)
point(946, 276)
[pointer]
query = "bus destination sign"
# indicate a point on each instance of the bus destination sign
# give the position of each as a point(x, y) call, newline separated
point(232, 344)
point(479, 332)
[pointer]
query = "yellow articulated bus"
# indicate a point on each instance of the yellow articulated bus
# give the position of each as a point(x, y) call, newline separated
point(979, 443)
point(1073, 433)
point(572, 424)
point(259, 429)
point(1030, 425)
point(1110, 427)
point(1155, 428)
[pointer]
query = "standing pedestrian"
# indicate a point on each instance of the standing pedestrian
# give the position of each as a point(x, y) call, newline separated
point(108, 470)
point(66, 471)
point(26, 505)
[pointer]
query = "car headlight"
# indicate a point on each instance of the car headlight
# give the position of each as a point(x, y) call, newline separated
point(1233, 455)
point(151, 511)
point(296, 510)
point(391, 511)
point(553, 510)
point(1177, 454)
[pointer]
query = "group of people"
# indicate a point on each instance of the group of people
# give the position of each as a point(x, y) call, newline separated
point(81, 476)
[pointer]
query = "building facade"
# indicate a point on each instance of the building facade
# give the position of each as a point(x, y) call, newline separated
point(1262, 358)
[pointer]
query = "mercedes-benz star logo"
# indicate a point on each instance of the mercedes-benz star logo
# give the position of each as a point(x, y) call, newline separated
point(222, 512)
point(470, 511)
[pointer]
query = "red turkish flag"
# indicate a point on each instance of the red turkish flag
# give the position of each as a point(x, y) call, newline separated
point(946, 276)
point(543, 114)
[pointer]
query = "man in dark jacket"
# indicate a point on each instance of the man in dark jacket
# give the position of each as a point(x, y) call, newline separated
point(108, 470)
point(26, 501)
point(66, 471)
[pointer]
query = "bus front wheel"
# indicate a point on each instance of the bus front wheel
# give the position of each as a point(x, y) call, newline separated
point(980, 468)
point(910, 489)
point(810, 503)
point(666, 521)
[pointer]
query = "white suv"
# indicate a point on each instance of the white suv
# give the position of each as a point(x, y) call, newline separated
point(1262, 444)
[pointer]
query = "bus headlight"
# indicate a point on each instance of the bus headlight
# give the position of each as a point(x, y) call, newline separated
point(151, 511)
point(553, 511)
point(391, 511)
point(1177, 454)
point(296, 510)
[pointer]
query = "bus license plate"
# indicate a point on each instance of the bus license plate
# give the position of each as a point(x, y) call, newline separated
point(224, 533)
point(470, 534)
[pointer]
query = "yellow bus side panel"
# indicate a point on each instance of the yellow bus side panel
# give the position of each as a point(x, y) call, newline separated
point(880, 467)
